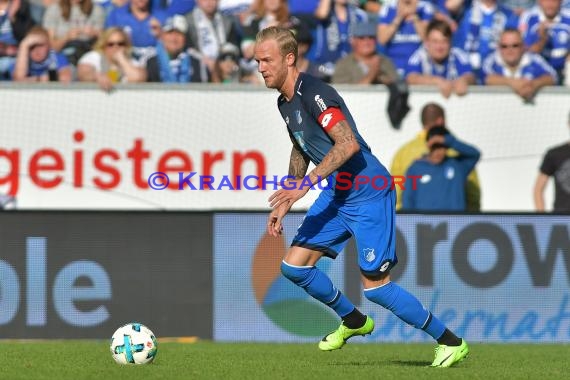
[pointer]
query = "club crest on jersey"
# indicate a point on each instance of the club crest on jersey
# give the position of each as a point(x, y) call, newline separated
point(369, 254)
point(299, 118)
point(320, 102)
point(450, 173)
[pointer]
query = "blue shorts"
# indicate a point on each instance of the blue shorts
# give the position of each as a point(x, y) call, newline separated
point(328, 225)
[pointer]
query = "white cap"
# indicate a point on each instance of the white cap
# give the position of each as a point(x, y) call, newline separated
point(177, 23)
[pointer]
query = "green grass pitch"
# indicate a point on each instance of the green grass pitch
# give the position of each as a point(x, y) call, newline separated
point(207, 360)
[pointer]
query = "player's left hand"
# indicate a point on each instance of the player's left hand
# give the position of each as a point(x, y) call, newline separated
point(292, 191)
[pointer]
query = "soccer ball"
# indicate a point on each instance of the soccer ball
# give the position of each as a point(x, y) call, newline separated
point(133, 343)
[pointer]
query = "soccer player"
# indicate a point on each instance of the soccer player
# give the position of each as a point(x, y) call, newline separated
point(323, 131)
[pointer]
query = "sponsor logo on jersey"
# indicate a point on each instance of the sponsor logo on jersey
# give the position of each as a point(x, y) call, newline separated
point(425, 178)
point(320, 102)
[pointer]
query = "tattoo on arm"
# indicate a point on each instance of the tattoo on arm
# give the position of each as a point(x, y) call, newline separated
point(345, 146)
point(299, 162)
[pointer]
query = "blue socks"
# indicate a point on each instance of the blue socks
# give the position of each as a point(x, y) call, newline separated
point(319, 286)
point(390, 296)
point(406, 307)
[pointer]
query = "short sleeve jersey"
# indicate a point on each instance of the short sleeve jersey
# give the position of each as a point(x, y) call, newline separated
point(556, 163)
point(312, 112)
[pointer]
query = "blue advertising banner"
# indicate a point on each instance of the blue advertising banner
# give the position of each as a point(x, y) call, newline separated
point(492, 278)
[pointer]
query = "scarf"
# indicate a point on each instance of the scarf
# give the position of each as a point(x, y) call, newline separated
point(211, 33)
point(181, 63)
point(431, 67)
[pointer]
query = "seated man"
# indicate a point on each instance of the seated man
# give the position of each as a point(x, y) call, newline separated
point(172, 63)
point(525, 73)
point(440, 180)
point(364, 65)
point(437, 63)
point(36, 61)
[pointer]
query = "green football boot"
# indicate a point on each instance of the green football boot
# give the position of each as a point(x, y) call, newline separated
point(338, 338)
point(446, 356)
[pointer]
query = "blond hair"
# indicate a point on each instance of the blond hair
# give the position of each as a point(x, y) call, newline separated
point(106, 34)
point(284, 37)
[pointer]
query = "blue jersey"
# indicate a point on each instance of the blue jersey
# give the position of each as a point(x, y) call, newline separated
point(480, 30)
point(303, 6)
point(332, 38)
point(441, 187)
point(138, 30)
point(54, 61)
point(6, 32)
point(405, 41)
point(314, 100)
point(173, 7)
point(456, 64)
point(558, 41)
point(530, 67)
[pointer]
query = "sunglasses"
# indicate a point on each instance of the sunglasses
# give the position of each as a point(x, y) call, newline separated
point(116, 43)
point(512, 46)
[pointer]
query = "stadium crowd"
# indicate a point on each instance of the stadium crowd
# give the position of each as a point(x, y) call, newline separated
point(450, 44)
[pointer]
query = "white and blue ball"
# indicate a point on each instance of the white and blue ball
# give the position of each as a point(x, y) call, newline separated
point(134, 343)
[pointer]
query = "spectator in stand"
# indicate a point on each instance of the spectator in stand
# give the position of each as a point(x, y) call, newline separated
point(432, 115)
point(546, 31)
point(437, 63)
point(402, 29)
point(525, 73)
point(556, 164)
point(331, 35)
point(36, 61)
point(364, 65)
point(209, 30)
point(440, 184)
point(480, 30)
point(172, 62)
point(304, 42)
point(269, 13)
point(227, 66)
point(141, 24)
point(111, 61)
point(73, 26)
point(15, 22)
